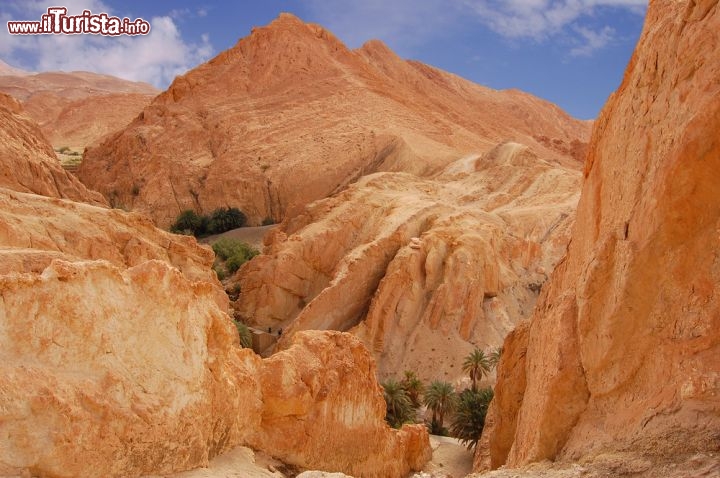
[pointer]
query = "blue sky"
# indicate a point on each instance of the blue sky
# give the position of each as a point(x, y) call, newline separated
point(571, 52)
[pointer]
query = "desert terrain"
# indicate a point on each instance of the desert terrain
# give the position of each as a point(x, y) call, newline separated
point(406, 220)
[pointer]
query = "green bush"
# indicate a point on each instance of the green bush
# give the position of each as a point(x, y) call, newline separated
point(221, 220)
point(268, 221)
point(225, 219)
point(234, 252)
point(245, 334)
point(188, 222)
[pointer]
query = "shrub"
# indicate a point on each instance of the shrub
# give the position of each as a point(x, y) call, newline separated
point(221, 220)
point(245, 334)
point(268, 221)
point(234, 252)
point(187, 222)
point(225, 219)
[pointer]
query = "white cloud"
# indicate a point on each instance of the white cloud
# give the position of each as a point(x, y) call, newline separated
point(593, 40)
point(405, 23)
point(408, 23)
point(155, 58)
point(540, 19)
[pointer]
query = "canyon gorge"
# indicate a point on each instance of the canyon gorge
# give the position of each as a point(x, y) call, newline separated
point(419, 216)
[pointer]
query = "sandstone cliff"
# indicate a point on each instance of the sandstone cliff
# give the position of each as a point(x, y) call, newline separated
point(623, 351)
point(118, 357)
point(78, 108)
point(422, 270)
point(28, 161)
point(290, 115)
point(112, 372)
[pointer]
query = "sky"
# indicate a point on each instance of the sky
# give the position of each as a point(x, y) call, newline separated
point(570, 52)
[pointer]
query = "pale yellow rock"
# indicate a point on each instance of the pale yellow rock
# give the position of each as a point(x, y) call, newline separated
point(422, 270)
point(112, 372)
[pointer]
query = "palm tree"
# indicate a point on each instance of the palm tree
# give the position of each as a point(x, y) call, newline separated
point(399, 408)
point(441, 399)
point(413, 387)
point(476, 365)
point(495, 356)
point(469, 418)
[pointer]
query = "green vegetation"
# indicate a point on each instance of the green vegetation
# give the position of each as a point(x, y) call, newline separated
point(495, 357)
point(219, 221)
point(399, 406)
point(413, 387)
point(268, 221)
point(466, 410)
point(245, 334)
point(476, 365)
point(440, 397)
point(233, 253)
point(469, 417)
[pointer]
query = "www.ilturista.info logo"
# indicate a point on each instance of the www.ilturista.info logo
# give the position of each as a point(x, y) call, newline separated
point(57, 21)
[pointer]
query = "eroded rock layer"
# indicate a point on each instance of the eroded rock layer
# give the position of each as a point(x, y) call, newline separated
point(290, 115)
point(623, 351)
point(118, 358)
point(28, 161)
point(78, 108)
point(111, 372)
point(423, 270)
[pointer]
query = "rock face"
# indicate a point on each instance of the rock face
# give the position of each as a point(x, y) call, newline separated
point(118, 358)
point(422, 270)
point(322, 407)
point(290, 115)
point(28, 161)
point(76, 109)
point(623, 351)
point(110, 372)
point(34, 230)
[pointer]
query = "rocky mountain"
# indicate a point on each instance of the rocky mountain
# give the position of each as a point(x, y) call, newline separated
point(6, 69)
point(423, 270)
point(78, 108)
point(621, 357)
point(28, 161)
point(118, 358)
point(290, 115)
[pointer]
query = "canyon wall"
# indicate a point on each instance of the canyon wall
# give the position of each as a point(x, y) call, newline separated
point(623, 350)
point(28, 161)
point(118, 358)
point(422, 270)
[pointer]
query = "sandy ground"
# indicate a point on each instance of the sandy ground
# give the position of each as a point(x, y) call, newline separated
point(449, 460)
point(239, 462)
point(252, 235)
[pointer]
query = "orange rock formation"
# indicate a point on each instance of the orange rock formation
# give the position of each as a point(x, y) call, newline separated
point(623, 351)
point(118, 358)
point(422, 270)
point(76, 109)
point(290, 115)
point(28, 161)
